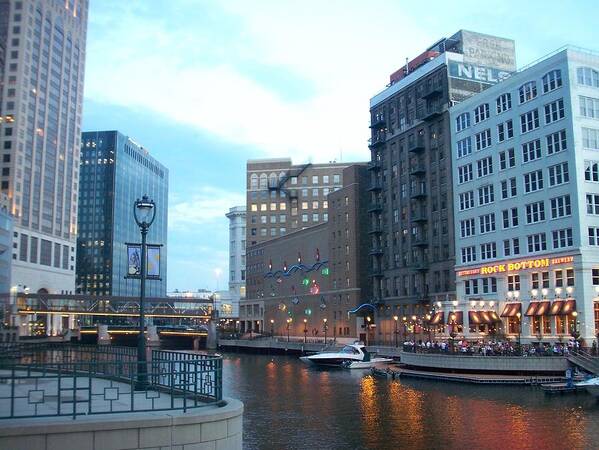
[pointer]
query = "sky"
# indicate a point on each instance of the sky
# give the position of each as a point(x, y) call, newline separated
point(206, 85)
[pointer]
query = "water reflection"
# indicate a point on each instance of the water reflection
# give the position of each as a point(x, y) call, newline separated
point(288, 405)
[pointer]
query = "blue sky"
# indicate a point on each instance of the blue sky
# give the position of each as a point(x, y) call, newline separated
point(205, 85)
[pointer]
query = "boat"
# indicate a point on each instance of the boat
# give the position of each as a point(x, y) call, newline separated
point(353, 356)
point(591, 385)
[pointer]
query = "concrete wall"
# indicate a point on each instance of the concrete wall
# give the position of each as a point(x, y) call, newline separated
point(207, 428)
point(486, 363)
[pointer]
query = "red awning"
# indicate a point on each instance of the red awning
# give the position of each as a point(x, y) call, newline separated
point(532, 307)
point(542, 309)
point(494, 317)
point(569, 307)
point(438, 318)
point(511, 309)
point(455, 318)
point(474, 318)
point(556, 308)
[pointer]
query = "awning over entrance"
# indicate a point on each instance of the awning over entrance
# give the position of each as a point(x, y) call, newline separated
point(482, 317)
point(556, 308)
point(455, 318)
point(511, 309)
point(543, 308)
point(532, 307)
point(474, 318)
point(438, 318)
point(569, 307)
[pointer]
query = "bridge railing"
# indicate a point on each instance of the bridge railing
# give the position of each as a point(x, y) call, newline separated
point(72, 380)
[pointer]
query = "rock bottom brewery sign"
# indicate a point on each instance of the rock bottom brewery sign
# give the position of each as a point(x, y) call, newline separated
point(516, 266)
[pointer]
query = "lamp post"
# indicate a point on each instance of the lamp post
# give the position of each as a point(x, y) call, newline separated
point(305, 330)
point(414, 332)
point(453, 333)
point(575, 334)
point(368, 319)
point(325, 328)
point(288, 325)
point(519, 317)
point(395, 319)
point(272, 328)
point(144, 212)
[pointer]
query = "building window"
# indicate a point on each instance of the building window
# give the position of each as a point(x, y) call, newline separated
point(593, 204)
point(556, 142)
point(554, 111)
point(24, 240)
point(507, 159)
point(593, 236)
point(483, 139)
point(527, 91)
point(511, 247)
point(595, 276)
point(539, 280)
point(558, 174)
point(560, 207)
point(513, 282)
point(537, 242)
point(488, 251)
point(552, 80)
point(504, 102)
point(481, 112)
point(486, 195)
point(489, 285)
point(531, 151)
point(589, 107)
point(464, 147)
point(468, 254)
point(466, 200)
point(529, 121)
point(487, 223)
point(535, 212)
point(465, 173)
point(46, 253)
point(510, 217)
point(533, 181)
point(484, 167)
point(508, 188)
point(467, 228)
point(462, 121)
point(505, 131)
point(590, 138)
point(588, 76)
point(562, 238)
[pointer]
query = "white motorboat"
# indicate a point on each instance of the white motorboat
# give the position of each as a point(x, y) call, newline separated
point(353, 356)
point(591, 385)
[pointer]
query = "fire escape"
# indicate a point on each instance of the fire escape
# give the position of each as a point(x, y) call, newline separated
point(377, 143)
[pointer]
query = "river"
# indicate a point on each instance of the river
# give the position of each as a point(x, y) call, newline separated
point(289, 405)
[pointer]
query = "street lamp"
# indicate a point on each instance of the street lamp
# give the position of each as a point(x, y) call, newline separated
point(404, 319)
point(325, 328)
point(367, 329)
point(395, 319)
point(575, 334)
point(414, 331)
point(144, 212)
point(288, 325)
point(272, 328)
point(519, 317)
point(453, 333)
point(305, 330)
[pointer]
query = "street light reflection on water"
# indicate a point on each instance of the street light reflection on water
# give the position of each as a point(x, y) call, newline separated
point(290, 405)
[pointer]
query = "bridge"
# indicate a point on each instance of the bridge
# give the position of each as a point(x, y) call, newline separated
point(40, 315)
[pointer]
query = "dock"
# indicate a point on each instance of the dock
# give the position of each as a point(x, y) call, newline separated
point(560, 388)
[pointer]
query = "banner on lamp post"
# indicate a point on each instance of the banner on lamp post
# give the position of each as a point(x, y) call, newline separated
point(152, 261)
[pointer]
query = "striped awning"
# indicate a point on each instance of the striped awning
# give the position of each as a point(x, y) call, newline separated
point(543, 308)
point(511, 309)
point(532, 308)
point(438, 318)
point(455, 318)
point(556, 308)
point(569, 307)
point(483, 317)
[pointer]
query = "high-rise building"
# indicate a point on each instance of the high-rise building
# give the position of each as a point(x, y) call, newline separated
point(42, 57)
point(282, 197)
point(237, 219)
point(115, 171)
point(411, 210)
point(526, 171)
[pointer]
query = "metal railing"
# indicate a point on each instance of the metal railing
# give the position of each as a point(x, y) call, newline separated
point(72, 380)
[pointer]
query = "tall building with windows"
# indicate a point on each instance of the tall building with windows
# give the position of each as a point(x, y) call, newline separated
point(526, 194)
point(115, 171)
point(283, 197)
point(411, 213)
point(42, 47)
point(237, 223)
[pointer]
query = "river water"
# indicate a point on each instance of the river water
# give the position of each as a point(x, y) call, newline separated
point(289, 405)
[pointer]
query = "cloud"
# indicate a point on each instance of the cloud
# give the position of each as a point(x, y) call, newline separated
point(195, 74)
point(205, 205)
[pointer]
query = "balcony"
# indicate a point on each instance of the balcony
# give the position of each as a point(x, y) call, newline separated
point(430, 92)
point(421, 266)
point(376, 207)
point(420, 240)
point(375, 229)
point(377, 141)
point(430, 112)
point(419, 216)
point(376, 251)
point(418, 170)
point(378, 122)
point(375, 165)
point(417, 145)
point(376, 273)
point(376, 186)
point(418, 194)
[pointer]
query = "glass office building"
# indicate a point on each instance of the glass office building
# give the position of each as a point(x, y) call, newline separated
point(115, 171)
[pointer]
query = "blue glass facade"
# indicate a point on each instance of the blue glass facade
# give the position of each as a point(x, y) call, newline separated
point(115, 171)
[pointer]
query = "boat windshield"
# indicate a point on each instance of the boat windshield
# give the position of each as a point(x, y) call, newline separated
point(349, 349)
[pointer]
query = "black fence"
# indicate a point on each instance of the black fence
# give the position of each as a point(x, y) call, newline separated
point(41, 380)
